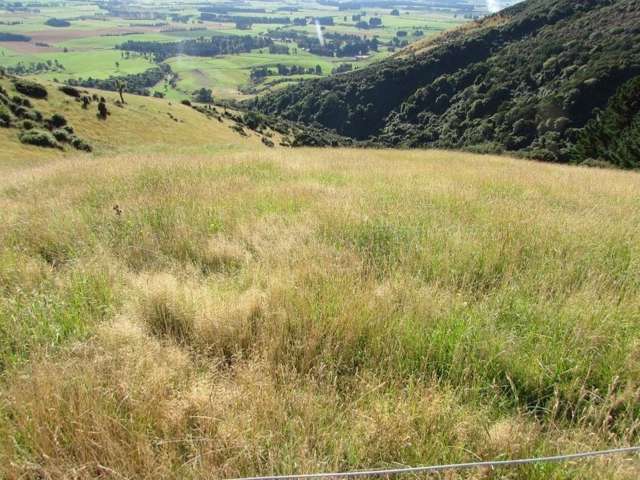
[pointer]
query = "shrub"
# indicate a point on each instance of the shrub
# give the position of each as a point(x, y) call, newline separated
point(80, 144)
point(5, 116)
point(597, 163)
point(30, 89)
point(27, 125)
point(267, 142)
point(34, 115)
point(39, 138)
point(252, 120)
point(238, 128)
point(62, 135)
point(18, 100)
point(57, 121)
point(26, 113)
point(103, 112)
point(71, 91)
point(186, 102)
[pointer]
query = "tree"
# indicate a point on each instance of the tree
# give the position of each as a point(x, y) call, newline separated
point(204, 95)
point(120, 85)
point(318, 70)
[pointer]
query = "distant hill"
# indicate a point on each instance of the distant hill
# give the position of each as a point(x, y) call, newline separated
point(526, 80)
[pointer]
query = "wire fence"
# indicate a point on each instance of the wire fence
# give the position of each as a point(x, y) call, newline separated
point(453, 466)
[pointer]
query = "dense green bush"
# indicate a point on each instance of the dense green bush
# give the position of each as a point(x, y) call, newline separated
point(27, 124)
point(71, 91)
point(614, 135)
point(5, 116)
point(57, 121)
point(80, 144)
point(29, 88)
point(62, 136)
point(18, 100)
point(40, 138)
point(252, 120)
point(32, 114)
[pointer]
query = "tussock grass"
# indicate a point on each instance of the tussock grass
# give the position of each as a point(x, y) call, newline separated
point(324, 309)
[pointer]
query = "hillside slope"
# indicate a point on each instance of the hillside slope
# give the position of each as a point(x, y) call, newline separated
point(141, 125)
point(526, 80)
point(302, 310)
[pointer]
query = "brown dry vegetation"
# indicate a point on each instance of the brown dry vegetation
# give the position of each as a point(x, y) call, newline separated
point(291, 311)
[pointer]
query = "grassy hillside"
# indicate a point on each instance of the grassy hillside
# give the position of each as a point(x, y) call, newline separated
point(527, 80)
point(284, 311)
point(142, 125)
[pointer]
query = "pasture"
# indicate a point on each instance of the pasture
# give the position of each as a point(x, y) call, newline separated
point(87, 48)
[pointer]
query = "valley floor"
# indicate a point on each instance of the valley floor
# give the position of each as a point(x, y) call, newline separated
point(192, 315)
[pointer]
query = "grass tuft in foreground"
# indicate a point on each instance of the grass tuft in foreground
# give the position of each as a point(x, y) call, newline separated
point(316, 310)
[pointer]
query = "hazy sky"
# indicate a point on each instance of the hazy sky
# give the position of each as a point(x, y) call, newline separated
point(496, 5)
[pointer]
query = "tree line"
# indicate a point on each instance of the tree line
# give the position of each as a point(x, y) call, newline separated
point(202, 47)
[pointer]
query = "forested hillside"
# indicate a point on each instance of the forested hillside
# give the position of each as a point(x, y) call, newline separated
point(526, 80)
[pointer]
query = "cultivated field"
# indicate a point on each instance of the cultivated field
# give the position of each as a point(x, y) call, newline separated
point(86, 48)
point(285, 311)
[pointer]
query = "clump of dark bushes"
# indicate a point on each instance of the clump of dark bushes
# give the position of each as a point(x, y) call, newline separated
point(30, 89)
point(56, 121)
point(57, 22)
point(34, 129)
point(5, 116)
point(71, 91)
point(40, 138)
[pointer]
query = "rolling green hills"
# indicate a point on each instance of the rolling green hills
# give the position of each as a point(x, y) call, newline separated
point(526, 80)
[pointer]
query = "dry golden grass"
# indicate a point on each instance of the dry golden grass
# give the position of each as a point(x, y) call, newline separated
point(305, 310)
point(148, 125)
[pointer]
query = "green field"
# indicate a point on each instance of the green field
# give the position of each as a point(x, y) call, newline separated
point(95, 56)
point(226, 73)
point(99, 64)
